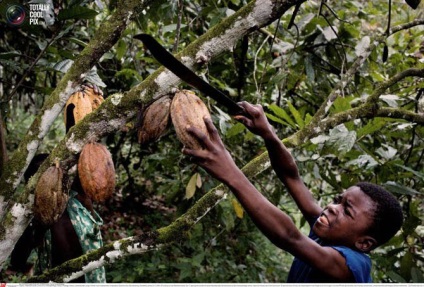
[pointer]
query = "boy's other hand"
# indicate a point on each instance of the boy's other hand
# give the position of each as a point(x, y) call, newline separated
point(214, 158)
point(256, 121)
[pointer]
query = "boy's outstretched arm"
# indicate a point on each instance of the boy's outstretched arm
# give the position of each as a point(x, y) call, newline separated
point(282, 161)
point(275, 224)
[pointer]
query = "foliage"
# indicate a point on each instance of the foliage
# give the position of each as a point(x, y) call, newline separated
point(289, 71)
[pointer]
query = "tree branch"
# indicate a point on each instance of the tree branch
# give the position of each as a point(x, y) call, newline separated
point(119, 108)
point(11, 212)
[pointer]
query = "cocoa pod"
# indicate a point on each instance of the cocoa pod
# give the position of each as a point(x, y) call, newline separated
point(95, 96)
point(76, 108)
point(81, 103)
point(96, 172)
point(187, 109)
point(155, 121)
point(50, 199)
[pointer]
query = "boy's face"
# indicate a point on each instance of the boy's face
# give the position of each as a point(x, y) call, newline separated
point(347, 219)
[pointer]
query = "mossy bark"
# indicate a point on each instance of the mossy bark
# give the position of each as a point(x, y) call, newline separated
point(10, 199)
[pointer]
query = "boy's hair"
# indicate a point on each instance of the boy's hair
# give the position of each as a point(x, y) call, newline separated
point(388, 216)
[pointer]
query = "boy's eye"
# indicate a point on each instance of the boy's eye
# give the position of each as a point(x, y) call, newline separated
point(346, 211)
point(337, 199)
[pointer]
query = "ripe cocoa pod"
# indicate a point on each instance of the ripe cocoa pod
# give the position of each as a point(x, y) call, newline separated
point(50, 199)
point(155, 121)
point(95, 96)
point(96, 172)
point(187, 109)
point(76, 108)
point(82, 103)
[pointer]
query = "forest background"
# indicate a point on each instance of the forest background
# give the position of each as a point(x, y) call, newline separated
point(342, 83)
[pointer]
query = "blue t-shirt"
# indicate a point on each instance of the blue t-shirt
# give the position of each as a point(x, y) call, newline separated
point(357, 262)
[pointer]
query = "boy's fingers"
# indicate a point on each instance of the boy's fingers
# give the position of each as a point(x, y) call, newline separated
point(245, 121)
point(201, 137)
point(252, 110)
point(213, 132)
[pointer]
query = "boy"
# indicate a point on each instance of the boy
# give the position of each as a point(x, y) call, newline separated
point(362, 218)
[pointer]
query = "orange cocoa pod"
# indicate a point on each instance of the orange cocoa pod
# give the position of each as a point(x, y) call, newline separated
point(95, 96)
point(76, 108)
point(96, 172)
point(187, 109)
point(82, 103)
point(155, 121)
point(50, 199)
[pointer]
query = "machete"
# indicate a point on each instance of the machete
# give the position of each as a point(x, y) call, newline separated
point(187, 75)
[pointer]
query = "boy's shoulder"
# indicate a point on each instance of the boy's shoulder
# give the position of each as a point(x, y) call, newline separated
point(358, 263)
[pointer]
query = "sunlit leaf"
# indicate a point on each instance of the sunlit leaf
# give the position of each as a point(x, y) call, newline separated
point(238, 208)
point(281, 113)
point(191, 186)
point(296, 115)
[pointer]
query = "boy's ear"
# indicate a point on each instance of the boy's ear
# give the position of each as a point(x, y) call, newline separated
point(365, 243)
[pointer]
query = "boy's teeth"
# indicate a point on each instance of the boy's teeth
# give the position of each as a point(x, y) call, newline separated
point(323, 220)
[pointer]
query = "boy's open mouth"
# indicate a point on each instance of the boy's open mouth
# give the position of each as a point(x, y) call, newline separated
point(323, 220)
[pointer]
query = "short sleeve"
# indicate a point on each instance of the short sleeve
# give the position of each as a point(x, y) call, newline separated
point(358, 263)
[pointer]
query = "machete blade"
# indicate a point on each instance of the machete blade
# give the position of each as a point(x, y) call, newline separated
point(184, 73)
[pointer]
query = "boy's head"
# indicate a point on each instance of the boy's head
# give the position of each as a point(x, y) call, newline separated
point(363, 217)
point(388, 218)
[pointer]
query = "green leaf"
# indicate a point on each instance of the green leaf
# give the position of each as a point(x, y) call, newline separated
point(276, 119)
point(309, 68)
point(406, 264)
point(342, 104)
point(235, 130)
point(296, 114)
point(341, 139)
point(9, 55)
point(420, 175)
point(78, 41)
point(399, 189)
point(121, 49)
point(282, 114)
point(417, 275)
point(371, 127)
point(77, 12)
point(395, 277)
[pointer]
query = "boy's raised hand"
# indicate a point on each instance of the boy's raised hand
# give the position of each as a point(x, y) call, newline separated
point(256, 120)
point(215, 158)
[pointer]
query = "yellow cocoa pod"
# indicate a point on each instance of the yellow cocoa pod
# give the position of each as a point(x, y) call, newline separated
point(80, 104)
point(155, 121)
point(187, 109)
point(96, 172)
point(50, 199)
point(96, 98)
point(76, 108)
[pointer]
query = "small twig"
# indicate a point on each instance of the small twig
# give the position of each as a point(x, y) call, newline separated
point(255, 67)
point(8, 98)
point(178, 32)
